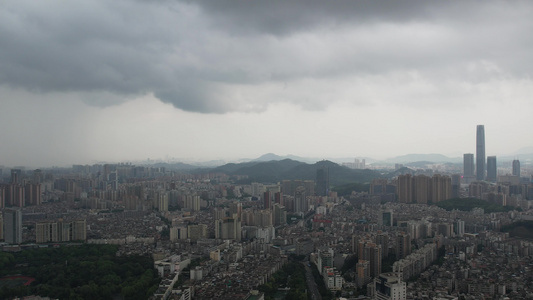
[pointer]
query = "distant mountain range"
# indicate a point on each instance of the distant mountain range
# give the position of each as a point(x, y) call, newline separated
point(272, 156)
point(272, 167)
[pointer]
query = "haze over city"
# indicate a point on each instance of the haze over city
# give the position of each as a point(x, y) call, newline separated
point(118, 81)
point(317, 150)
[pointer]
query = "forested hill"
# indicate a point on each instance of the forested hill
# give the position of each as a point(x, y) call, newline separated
point(288, 169)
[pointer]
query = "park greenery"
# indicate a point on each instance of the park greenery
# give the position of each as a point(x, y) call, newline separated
point(291, 276)
point(467, 204)
point(522, 229)
point(80, 272)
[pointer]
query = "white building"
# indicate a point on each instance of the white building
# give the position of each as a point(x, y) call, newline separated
point(389, 286)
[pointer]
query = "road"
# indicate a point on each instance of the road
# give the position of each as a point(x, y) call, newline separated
point(311, 284)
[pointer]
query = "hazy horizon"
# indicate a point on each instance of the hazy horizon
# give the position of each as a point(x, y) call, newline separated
point(220, 161)
point(120, 81)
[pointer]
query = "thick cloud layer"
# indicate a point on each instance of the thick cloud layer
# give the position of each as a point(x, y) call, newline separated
point(223, 56)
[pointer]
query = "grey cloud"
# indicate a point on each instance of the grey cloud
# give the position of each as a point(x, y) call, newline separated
point(283, 17)
point(207, 56)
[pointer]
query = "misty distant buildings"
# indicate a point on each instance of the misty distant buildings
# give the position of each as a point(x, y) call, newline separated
point(356, 164)
point(480, 152)
point(516, 167)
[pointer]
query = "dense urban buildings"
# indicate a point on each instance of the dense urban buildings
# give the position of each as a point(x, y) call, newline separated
point(375, 242)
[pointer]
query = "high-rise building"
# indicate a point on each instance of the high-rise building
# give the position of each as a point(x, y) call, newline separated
point(197, 231)
point(278, 198)
point(363, 272)
point(459, 228)
point(403, 245)
point(441, 188)
point(372, 253)
point(405, 188)
point(32, 194)
point(1, 226)
point(2, 197)
point(13, 225)
point(300, 200)
point(387, 217)
point(456, 185)
point(322, 181)
point(280, 215)
point(421, 189)
point(492, 170)
point(161, 200)
point(267, 200)
point(15, 175)
point(468, 167)
point(516, 167)
point(480, 152)
point(288, 187)
point(382, 239)
point(228, 228)
point(52, 231)
point(178, 233)
point(192, 202)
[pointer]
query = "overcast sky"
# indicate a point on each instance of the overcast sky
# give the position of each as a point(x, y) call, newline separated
point(88, 81)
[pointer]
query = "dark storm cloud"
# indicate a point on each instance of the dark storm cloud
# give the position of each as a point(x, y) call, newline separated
point(219, 56)
point(285, 17)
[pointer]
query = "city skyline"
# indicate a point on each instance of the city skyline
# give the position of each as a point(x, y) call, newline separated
point(127, 81)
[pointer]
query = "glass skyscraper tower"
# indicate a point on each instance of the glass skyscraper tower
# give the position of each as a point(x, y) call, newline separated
point(480, 152)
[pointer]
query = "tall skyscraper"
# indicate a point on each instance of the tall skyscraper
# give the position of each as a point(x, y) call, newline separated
point(516, 167)
point(492, 170)
point(480, 152)
point(468, 167)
